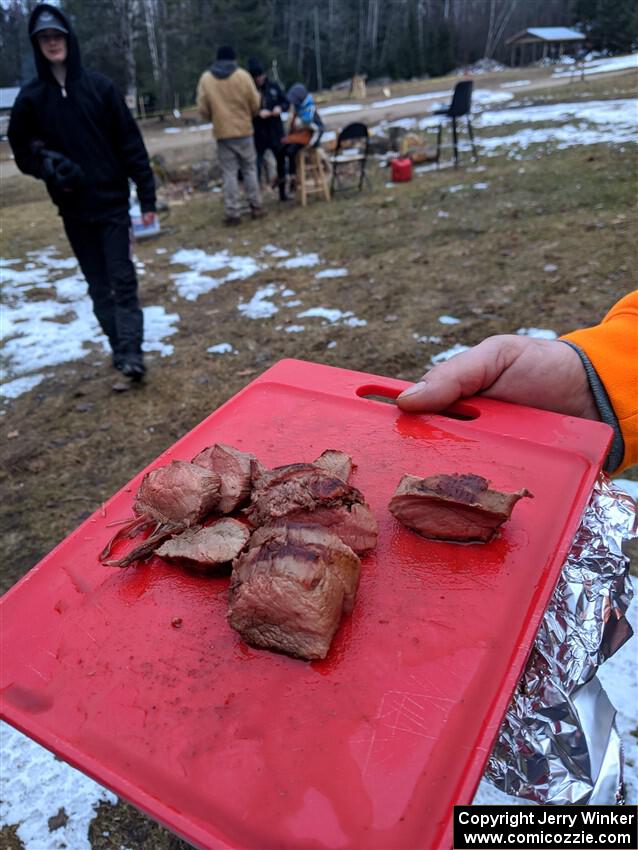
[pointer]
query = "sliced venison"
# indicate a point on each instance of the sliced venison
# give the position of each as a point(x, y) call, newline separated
point(206, 549)
point(305, 493)
point(170, 499)
point(289, 590)
point(234, 470)
point(336, 462)
point(452, 507)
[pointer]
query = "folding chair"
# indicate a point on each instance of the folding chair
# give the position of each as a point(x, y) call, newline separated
point(461, 104)
point(351, 150)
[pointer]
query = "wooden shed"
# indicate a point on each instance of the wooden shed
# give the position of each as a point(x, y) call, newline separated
point(540, 42)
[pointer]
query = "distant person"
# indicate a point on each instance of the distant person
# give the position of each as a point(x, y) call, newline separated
point(591, 373)
point(227, 96)
point(305, 128)
point(71, 128)
point(268, 125)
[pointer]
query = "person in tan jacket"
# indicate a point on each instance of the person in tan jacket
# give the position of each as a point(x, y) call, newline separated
point(227, 96)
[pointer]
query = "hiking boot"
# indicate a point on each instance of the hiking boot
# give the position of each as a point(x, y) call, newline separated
point(133, 367)
point(232, 220)
point(118, 361)
point(257, 212)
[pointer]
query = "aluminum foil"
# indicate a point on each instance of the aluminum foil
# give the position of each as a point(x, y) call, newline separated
point(558, 742)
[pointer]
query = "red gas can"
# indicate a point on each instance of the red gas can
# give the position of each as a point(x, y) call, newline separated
point(401, 170)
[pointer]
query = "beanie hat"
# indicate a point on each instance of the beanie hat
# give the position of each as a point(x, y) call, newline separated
point(255, 67)
point(297, 93)
point(47, 20)
point(226, 52)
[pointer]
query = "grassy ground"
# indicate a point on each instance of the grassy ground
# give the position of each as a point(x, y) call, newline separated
point(72, 441)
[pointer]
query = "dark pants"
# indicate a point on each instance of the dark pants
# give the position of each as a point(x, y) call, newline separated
point(290, 153)
point(280, 158)
point(103, 252)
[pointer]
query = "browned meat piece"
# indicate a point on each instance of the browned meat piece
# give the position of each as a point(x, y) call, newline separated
point(290, 588)
point(234, 470)
point(299, 486)
point(170, 499)
point(182, 493)
point(205, 549)
point(354, 525)
point(452, 507)
point(336, 462)
point(305, 493)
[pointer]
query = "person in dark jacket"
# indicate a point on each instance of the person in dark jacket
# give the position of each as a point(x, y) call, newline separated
point(71, 128)
point(268, 125)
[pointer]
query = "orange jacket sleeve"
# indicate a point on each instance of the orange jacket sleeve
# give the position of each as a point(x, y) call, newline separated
point(612, 350)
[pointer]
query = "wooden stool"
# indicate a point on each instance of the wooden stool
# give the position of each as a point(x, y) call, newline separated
point(312, 178)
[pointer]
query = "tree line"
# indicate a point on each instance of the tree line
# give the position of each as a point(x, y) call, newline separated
point(157, 49)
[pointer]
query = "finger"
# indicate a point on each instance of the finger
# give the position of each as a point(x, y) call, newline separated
point(461, 376)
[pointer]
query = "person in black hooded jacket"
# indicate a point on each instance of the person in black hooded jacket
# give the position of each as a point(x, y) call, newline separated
point(71, 128)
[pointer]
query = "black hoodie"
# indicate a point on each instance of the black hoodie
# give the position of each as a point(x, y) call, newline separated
point(87, 121)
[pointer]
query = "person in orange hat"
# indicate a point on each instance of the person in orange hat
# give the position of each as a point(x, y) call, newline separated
point(591, 373)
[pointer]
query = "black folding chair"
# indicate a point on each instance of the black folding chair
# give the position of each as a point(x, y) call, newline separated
point(461, 105)
point(351, 151)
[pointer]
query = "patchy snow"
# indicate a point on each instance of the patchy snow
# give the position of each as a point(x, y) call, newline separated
point(628, 486)
point(443, 214)
point(195, 282)
point(44, 332)
point(515, 84)
point(617, 113)
point(274, 251)
point(341, 107)
point(294, 329)
point(434, 339)
point(36, 785)
point(410, 98)
point(300, 261)
point(447, 355)
point(173, 130)
point(347, 318)
point(537, 333)
point(480, 186)
point(448, 320)
point(221, 348)
point(259, 307)
point(603, 66)
point(331, 273)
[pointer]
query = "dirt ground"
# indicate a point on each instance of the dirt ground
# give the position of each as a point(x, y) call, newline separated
point(73, 441)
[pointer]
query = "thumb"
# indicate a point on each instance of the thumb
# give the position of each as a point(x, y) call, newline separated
point(463, 375)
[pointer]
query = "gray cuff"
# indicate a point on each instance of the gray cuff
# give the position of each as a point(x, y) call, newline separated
point(606, 411)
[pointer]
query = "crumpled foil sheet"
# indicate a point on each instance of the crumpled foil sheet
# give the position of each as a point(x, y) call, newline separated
point(558, 742)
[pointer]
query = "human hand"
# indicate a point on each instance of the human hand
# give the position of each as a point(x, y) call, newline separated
point(536, 372)
point(148, 218)
point(276, 111)
point(265, 113)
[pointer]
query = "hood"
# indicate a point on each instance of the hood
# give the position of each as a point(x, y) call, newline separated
point(223, 68)
point(73, 61)
point(297, 94)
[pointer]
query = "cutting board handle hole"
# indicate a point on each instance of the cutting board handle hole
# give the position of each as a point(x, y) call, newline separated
point(388, 395)
point(374, 392)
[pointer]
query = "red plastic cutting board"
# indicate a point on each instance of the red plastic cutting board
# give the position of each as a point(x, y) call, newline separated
point(233, 747)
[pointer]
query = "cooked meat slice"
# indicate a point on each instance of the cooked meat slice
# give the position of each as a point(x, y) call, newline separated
point(336, 462)
point(182, 493)
point(299, 487)
point(289, 590)
point(452, 507)
point(354, 525)
point(204, 549)
point(234, 470)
